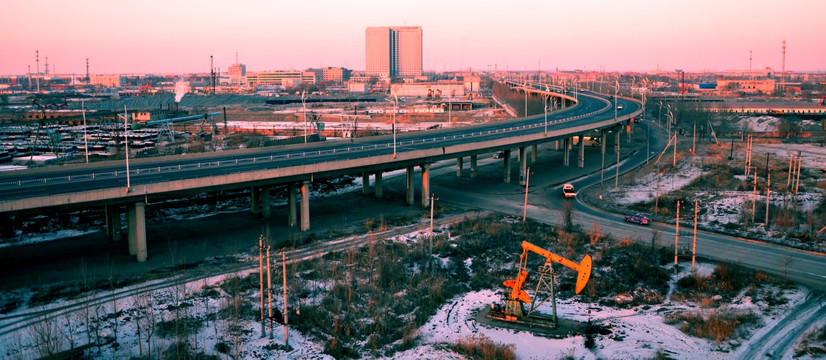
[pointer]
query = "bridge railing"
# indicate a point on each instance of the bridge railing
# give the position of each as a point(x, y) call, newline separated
point(149, 170)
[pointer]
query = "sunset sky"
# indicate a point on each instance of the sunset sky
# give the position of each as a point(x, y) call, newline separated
point(173, 36)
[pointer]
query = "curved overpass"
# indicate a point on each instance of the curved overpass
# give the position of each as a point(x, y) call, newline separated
point(106, 183)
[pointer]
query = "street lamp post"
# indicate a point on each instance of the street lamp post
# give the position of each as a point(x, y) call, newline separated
point(527, 183)
point(126, 143)
point(647, 126)
point(395, 109)
point(85, 138)
point(304, 105)
point(545, 103)
point(432, 198)
point(449, 108)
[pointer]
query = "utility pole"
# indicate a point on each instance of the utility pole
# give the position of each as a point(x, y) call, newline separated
point(525, 208)
point(432, 198)
point(284, 271)
point(694, 243)
point(754, 196)
point(657, 197)
point(261, 278)
point(674, 163)
point(799, 165)
point(792, 163)
point(768, 198)
point(85, 138)
point(677, 236)
point(269, 290)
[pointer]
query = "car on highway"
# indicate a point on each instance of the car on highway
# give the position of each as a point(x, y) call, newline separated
point(568, 191)
point(498, 154)
point(637, 218)
point(619, 107)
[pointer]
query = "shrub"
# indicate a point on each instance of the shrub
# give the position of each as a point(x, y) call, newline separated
point(482, 348)
point(173, 329)
point(715, 325)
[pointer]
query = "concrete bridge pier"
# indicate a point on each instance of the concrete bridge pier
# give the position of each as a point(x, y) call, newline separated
point(473, 166)
point(533, 154)
point(523, 165)
point(566, 151)
point(425, 185)
point(617, 139)
point(506, 156)
point(113, 222)
point(254, 205)
point(602, 140)
point(365, 183)
point(291, 214)
point(377, 181)
point(137, 230)
point(411, 191)
point(305, 205)
point(264, 193)
point(556, 145)
point(459, 166)
point(628, 129)
point(581, 157)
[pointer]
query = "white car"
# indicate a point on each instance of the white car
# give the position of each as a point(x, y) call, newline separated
point(568, 191)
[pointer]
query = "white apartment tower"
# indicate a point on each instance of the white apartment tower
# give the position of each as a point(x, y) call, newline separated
point(394, 51)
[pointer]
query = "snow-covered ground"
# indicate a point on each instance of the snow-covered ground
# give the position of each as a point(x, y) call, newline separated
point(724, 207)
point(638, 332)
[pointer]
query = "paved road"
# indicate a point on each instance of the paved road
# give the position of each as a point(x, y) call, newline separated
point(545, 204)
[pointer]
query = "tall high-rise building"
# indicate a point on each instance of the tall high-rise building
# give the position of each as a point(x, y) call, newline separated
point(394, 51)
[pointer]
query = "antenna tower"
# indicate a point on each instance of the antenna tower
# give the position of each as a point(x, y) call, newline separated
point(37, 75)
point(212, 74)
point(87, 69)
point(783, 69)
point(47, 65)
point(750, 64)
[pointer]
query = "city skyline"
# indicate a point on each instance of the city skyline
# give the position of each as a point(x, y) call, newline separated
point(179, 37)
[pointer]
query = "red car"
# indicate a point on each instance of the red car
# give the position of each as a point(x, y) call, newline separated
point(637, 218)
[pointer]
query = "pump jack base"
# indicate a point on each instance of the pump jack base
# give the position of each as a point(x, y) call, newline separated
point(539, 324)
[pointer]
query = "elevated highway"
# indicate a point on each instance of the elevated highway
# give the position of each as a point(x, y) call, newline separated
point(108, 184)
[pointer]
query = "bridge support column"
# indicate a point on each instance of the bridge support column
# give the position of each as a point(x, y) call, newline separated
point(379, 192)
point(254, 206)
point(628, 129)
point(291, 213)
point(533, 154)
point(265, 202)
point(523, 165)
point(556, 145)
point(602, 140)
point(472, 166)
point(365, 183)
point(506, 157)
point(581, 155)
point(617, 140)
point(113, 222)
point(425, 184)
point(566, 151)
point(305, 205)
point(459, 166)
point(137, 230)
point(411, 191)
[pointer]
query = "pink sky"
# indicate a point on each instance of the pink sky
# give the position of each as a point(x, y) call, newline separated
point(173, 36)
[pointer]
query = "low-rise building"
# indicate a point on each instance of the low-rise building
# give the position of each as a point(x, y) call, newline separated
point(745, 86)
